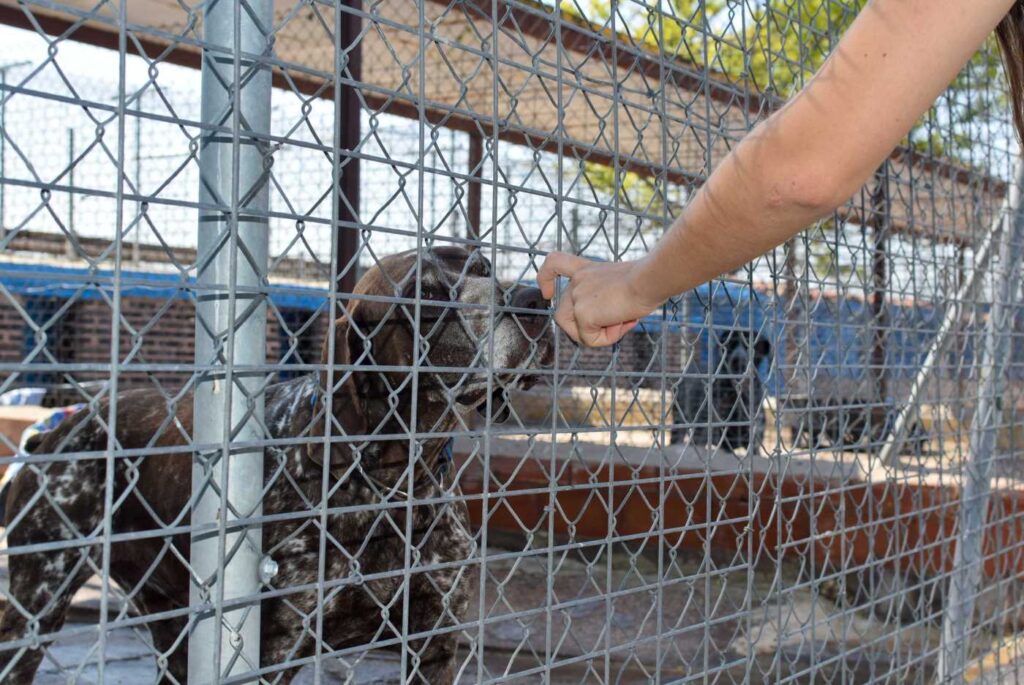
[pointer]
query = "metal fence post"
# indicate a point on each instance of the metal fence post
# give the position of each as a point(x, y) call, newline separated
point(140, 205)
point(968, 562)
point(3, 146)
point(3, 137)
point(475, 160)
point(231, 335)
point(889, 455)
point(880, 228)
point(69, 246)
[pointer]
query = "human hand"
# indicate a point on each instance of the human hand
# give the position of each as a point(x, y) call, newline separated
point(603, 301)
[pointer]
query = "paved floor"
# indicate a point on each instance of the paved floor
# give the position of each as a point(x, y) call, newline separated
point(763, 626)
point(129, 662)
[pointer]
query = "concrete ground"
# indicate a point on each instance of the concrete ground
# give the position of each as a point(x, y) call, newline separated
point(716, 616)
point(741, 624)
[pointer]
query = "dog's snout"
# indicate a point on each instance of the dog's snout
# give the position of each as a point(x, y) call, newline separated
point(529, 298)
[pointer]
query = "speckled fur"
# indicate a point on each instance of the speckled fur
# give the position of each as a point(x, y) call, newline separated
point(152, 493)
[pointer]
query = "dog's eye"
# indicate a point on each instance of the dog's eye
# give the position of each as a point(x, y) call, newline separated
point(479, 265)
point(436, 294)
point(427, 291)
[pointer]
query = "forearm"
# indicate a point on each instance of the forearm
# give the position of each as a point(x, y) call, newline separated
point(819, 149)
point(745, 209)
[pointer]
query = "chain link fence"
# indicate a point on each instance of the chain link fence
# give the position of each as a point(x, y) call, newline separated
point(280, 401)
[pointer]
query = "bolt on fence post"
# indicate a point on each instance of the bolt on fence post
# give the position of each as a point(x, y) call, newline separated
point(231, 335)
point(968, 562)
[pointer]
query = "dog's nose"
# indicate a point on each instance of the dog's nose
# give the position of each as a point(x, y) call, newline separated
point(529, 298)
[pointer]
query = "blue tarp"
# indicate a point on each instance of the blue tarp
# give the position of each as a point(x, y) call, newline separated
point(40, 280)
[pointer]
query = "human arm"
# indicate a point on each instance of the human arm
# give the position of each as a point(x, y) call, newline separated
point(795, 167)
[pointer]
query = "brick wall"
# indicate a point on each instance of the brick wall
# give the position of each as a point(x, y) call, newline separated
point(157, 331)
point(11, 334)
point(151, 331)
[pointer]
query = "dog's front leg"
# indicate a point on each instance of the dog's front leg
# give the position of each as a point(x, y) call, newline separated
point(433, 660)
point(438, 603)
point(440, 599)
point(42, 583)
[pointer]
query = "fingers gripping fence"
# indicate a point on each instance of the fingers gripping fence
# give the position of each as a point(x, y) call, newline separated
point(280, 401)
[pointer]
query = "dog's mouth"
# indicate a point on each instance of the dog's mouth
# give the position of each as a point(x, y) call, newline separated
point(503, 386)
point(544, 358)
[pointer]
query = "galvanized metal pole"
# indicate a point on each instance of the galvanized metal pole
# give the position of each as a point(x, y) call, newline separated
point(230, 333)
point(3, 148)
point(69, 246)
point(890, 452)
point(968, 561)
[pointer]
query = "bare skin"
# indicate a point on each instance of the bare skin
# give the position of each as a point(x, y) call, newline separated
point(794, 168)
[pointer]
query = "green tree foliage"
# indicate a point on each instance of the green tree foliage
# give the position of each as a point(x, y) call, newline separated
point(774, 48)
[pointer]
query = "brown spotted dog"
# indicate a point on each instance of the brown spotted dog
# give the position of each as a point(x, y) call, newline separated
point(470, 359)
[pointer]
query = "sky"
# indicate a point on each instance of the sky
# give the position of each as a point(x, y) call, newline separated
point(59, 144)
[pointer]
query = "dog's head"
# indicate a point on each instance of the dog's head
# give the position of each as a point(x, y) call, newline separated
point(439, 328)
point(742, 357)
point(738, 351)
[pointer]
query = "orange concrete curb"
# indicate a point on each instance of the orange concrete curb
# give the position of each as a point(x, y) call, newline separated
point(848, 524)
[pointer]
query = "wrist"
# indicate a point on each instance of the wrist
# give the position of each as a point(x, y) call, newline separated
point(644, 283)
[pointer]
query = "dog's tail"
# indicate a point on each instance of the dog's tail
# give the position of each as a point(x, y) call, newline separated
point(33, 442)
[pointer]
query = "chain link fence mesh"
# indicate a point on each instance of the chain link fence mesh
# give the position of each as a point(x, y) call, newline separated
point(296, 412)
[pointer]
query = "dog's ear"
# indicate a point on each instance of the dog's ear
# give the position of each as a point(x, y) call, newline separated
point(501, 406)
point(346, 404)
point(762, 349)
point(33, 442)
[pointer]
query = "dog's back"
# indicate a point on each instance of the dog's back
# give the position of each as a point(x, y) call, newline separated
point(59, 496)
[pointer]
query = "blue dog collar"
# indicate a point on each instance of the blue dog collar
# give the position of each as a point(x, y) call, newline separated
point(447, 457)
